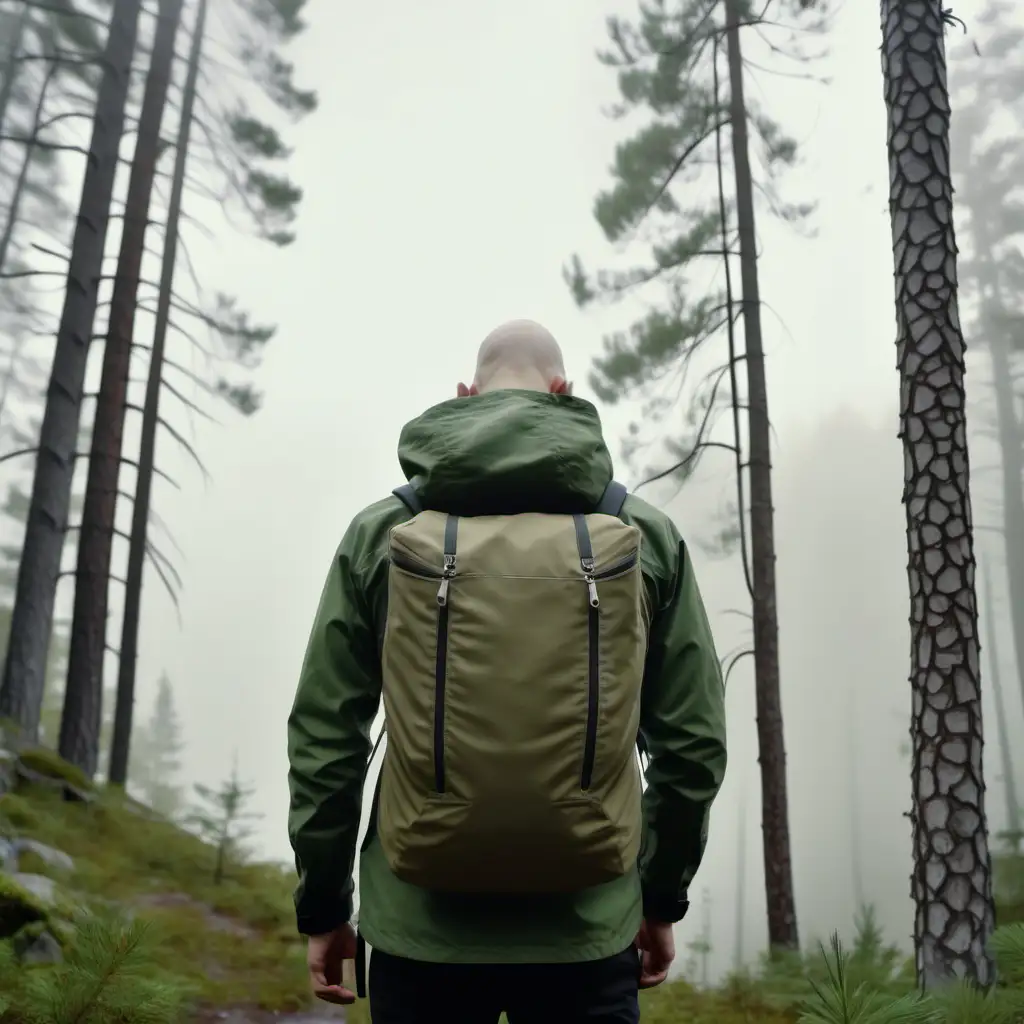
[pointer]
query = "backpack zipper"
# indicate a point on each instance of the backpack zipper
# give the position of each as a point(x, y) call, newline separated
point(451, 533)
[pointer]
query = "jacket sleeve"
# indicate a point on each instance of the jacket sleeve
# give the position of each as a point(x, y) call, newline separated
point(329, 740)
point(682, 722)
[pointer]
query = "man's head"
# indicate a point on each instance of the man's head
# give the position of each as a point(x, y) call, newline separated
point(519, 354)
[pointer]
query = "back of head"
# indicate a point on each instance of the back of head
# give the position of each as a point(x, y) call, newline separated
point(520, 354)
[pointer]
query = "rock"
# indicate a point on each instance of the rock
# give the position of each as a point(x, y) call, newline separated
point(19, 906)
point(8, 855)
point(42, 948)
point(8, 770)
point(42, 768)
point(56, 860)
point(43, 889)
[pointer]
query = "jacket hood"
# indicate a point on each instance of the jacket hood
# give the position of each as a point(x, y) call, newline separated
point(507, 451)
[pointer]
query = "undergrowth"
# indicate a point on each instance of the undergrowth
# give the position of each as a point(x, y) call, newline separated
point(233, 944)
point(111, 974)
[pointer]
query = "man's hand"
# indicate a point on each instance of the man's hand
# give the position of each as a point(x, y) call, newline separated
point(657, 945)
point(324, 957)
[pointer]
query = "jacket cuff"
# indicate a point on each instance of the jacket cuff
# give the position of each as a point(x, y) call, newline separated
point(325, 918)
point(664, 909)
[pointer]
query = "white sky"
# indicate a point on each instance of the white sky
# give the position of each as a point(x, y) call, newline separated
point(448, 174)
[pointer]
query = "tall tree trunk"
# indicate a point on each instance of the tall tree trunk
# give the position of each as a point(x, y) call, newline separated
point(21, 181)
point(856, 817)
point(120, 745)
point(83, 697)
point(1012, 470)
point(1013, 822)
point(13, 210)
point(740, 895)
point(778, 867)
point(10, 69)
point(32, 616)
point(952, 877)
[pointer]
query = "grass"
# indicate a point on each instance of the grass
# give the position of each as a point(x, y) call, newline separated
point(230, 944)
point(234, 945)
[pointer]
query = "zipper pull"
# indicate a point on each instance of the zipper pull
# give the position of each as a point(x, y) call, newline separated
point(446, 578)
point(588, 576)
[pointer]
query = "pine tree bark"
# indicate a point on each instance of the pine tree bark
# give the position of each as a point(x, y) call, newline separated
point(21, 693)
point(952, 878)
point(778, 867)
point(83, 697)
point(120, 746)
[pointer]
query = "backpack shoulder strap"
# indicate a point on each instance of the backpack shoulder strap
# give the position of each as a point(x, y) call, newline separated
point(408, 496)
point(612, 500)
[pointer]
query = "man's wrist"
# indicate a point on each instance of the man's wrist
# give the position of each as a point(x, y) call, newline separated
point(324, 919)
point(660, 908)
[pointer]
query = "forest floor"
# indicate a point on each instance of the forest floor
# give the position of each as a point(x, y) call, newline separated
point(233, 945)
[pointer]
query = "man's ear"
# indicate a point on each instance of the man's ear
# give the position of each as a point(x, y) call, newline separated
point(463, 392)
point(559, 386)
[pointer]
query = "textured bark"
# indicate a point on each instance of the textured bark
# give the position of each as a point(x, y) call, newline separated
point(778, 868)
point(952, 879)
point(21, 694)
point(83, 696)
point(1003, 732)
point(119, 754)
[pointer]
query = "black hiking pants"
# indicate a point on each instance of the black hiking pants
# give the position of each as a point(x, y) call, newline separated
point(595, 992)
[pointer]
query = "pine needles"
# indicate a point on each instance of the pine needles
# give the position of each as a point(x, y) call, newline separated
point(110, 976)
point(839, 999)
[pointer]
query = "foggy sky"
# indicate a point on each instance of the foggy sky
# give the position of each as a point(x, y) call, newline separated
point(449, 173)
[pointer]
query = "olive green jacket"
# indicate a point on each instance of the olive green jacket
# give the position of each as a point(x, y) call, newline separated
point(503, 452)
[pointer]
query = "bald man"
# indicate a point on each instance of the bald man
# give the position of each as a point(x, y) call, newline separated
point(510, 863)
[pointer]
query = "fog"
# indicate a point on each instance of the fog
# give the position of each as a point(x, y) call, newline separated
point(448, 174)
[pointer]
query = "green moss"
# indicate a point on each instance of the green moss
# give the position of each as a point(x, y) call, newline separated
point(53, 766)
point(17, 811)
point(231, 943)
point(228, 967)
point(18, 907)
point(29, 861)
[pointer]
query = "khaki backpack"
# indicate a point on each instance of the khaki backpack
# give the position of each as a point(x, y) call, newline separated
point(512, 659)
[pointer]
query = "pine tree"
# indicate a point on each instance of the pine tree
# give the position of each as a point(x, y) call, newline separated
point(21, 692)
point(952, 877)
point(156, 755)
point(989, 162)
point(680, 65)
point(80, 723)
point(270, 201)
point(222, 819)
point(1014, 832)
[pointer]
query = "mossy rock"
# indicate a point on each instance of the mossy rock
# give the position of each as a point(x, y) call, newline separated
point(45, 762)
point(18, 908)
